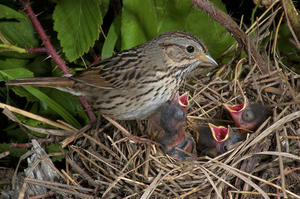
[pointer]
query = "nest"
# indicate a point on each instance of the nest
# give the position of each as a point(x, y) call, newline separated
point(102, 162)
point(263, 165)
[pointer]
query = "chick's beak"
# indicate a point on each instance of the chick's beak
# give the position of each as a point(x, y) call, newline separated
point(207, 60)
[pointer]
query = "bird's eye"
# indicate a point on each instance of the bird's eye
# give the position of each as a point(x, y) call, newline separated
point(190, 49)
point(179, 114)
point(248, 116)
point(225, 148)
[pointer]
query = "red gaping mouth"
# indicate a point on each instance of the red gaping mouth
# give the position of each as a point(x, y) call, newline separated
point(183, 100)
point(235, 108)
point(220, 133)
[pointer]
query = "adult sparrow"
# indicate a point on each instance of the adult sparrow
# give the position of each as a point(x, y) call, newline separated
point(135, 82)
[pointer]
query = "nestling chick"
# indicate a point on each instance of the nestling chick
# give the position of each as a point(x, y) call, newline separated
point(170, 118)
point(248, 117)
point(214, 140)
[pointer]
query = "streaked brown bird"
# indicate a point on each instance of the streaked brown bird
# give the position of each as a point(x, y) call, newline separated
point(213, 140)
point(248, 117)
point(134, 83)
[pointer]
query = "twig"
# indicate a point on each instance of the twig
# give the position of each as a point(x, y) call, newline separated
point(293, 20)
point(129, 135)
point(233, 28)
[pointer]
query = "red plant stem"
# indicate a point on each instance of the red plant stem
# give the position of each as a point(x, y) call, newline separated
point(44, 37)
point(53, 53)
point(36, 50)
point(88, 108)
point(20, 146)
point(96, 60)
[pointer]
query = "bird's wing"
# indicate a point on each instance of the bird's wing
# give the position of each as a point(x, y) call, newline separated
point(121, 71)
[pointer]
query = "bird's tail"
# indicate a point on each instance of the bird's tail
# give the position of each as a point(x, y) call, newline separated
point(55, 82)
point(61, 83)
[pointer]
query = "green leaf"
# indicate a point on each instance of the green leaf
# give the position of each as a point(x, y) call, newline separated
point(172, 14)
point(78, 25)
point(104, 5)
point(9, 47)
point(15, 133)
point(111, 39)
point(71, 103)
point(53, 105)
point(13, 73)
point(55, 148)
point(16, 28)
point(22, 72)
point(215, 36)
point(9, 63)
point(139, 22)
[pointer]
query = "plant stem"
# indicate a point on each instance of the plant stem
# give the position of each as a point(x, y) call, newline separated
point(53, 53)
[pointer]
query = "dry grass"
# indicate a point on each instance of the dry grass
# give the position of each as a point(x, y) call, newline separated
point(265, 165)
point(102, 162)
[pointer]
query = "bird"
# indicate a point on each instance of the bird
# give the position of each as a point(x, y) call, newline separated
point(248, 117)
point(135, 82)
point(214, 140)
point(170, 119)
point(180, 146)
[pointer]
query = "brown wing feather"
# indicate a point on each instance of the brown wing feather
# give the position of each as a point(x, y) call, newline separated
point(92, 77)
point(121, 71)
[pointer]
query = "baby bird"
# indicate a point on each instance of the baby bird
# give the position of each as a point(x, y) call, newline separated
point(214, 140)
point(248, 117)
point(170, 118)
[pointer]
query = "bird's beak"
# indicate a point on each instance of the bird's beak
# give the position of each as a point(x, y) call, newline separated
point(183, 100)
point(235, 108)
point(220, 133)
point(236, 112)
point(207, 60)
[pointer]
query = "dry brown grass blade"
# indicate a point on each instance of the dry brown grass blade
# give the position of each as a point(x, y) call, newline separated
point(129, 135)
point(274, 127)
point(148, 191)
point(4, 154)
point(283, 154)
point(89, 160)
point(235, 170)
point(55, 132)
point(243, 193)
point(102, 146)
point(211, 182)
point(122, 174)
point(281, 166)
point(56, 187)
point(73, 137)
point(238, 173)
point(36, 117)
point(219, 178)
